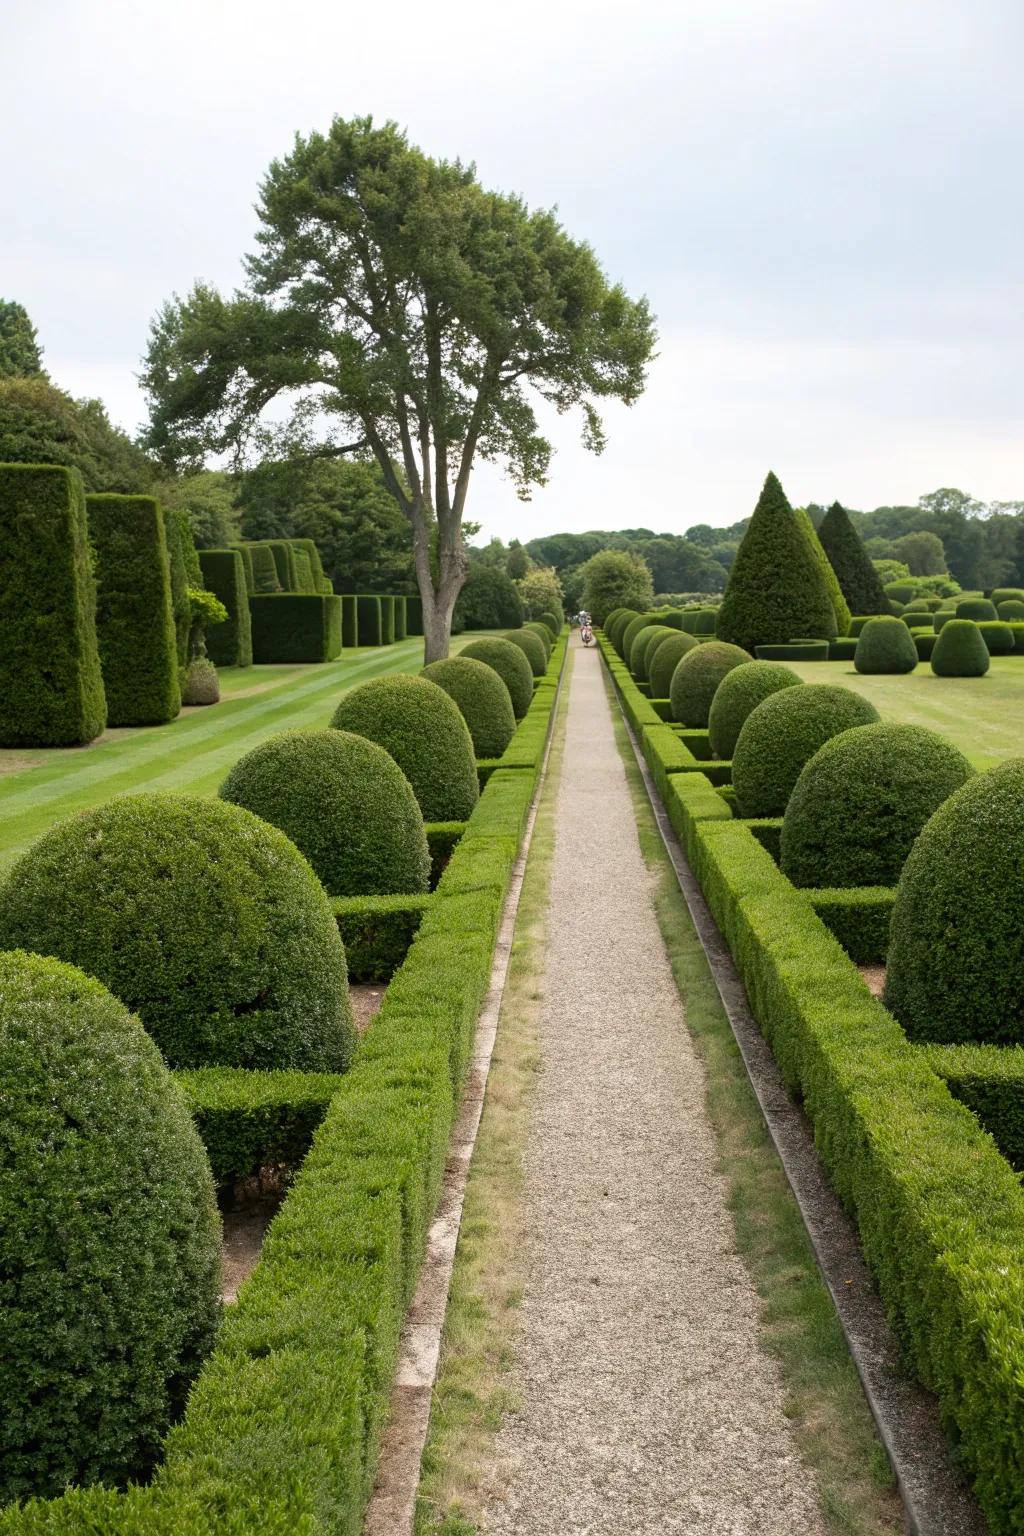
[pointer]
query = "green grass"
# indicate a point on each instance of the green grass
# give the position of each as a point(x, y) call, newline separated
point(981, 715)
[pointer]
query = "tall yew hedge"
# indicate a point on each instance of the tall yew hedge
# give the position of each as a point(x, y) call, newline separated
point(861, 583)
point(776, 591)
point(228, 644)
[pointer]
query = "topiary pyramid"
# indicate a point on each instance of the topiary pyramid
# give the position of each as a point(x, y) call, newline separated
point(840, 607)
point(776, 589)
point(860, 582)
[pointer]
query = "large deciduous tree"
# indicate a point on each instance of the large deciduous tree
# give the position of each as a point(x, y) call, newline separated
point(395, 305)
point(616, 578)
point(20, 354)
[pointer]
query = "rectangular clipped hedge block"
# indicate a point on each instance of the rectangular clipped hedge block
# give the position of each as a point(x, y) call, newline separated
point(859, 918)
point(252, 1120)
point(989, 1080)
point(387, 621)
point(316, 569)
point(485, 766)
point(401, 619)
point(691, 798)
point(181, 607)
point(303, 572)
point(370, 631)
point(245, 550)
point(377, 932)
point(697, 742)
point(442, 840)
point(50, 674)
point(134, 618)
point(414, 615)
point(264, 578)
point(228, 644)
point(349, 621)
point(663, 709)
point(284, 563)
point(768, 831)
point(295, 626)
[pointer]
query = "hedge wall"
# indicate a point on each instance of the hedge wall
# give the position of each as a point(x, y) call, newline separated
point(181, 608)
point(295, 626)
point(245, 550)
point(402, 622)
point(387, 620)
point(228, 644)
point(349, 620)
point(414, 615)
point(50, 677)
point(134, 619)
point(371, 630)
point(284, 564)
point(264, 577)
point(316, 569)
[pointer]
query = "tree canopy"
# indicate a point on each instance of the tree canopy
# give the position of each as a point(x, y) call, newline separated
point(20, 353)
point(615, 578)
point(40, 424)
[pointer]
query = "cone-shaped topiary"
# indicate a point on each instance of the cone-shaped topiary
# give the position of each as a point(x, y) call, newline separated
point(531, 647)
point(740, 691)
point(629, 634)
point(554, 622)
point(956, 957)
point(511, 665)
point(660, 631)
point(543, 634)
point(638, 649)
point(885, 644)
point(109, 1236)
point(203, 919)
point(617, 631)
point(960, 650)
point(782, 734)
point(697, 676)
point(861, 800)
point(775, 588)
point(422, 728)
point(976, 608)
point(483, 698)
point(860, 582)
point(840, 607)
point(345, 804)
point(665, 655)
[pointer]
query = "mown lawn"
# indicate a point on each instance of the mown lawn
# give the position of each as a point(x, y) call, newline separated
point(984, 716)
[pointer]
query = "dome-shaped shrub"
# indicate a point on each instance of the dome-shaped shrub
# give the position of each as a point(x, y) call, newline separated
point(1011, 609)
point(697, 676)
point(886, 645)
point(629, 634)
point(422, 728)
point(664, 656)
point(976, 608)
point(998, 637)
point(960, 650)
point(532, 648)
point(543, 635)
point(511, 665)
point(345, 804)
point(554, 622)
point(205, 921)
point(483, 698)
point(956, 957)
point(638, 649)
point(782, 734)
point(202, 685)
point(609, 619)
point(617, 632)
point(1006, 595)
point(740, 691)
point(661, 631)
point(109, 1235)
point(861, 800)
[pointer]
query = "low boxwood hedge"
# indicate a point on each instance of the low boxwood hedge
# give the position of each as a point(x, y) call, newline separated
point(377, 932)
point(483, 698)
point(794, 650)
point(782, 733)
point(253, 1120)
point(740, 691)
point(858, 917)
point(511, 665)
point(697, 677)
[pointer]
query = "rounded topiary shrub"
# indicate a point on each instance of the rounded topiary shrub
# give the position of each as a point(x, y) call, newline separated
point(1010, 610)
point(664, 656)
point(740, 691)
point(511, 665)
point(345, 804)
point(998, 637)
point(861, 800)
point(622, 621)
point(976, 608)
point(201, 685)
point(206, 921)
point(1006, 595)
point(483, 698)
point(629, 634)
point(109, 1235)
point(960, 650)
point(783, 733)
point(885, 645)
point(554, 622)
point(532, 648)
point(423, 729)
point(660, 632)
point(638, 650)
point(698, 675)
point(543, 634)
point(956, 956)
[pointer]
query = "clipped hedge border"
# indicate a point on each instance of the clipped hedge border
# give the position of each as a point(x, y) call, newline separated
point(858, 916)
point(249, 1120)
point(989, 1080)
point(377, 932)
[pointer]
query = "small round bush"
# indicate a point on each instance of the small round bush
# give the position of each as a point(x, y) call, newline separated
point(423, 729)
point(204, 920)
point(998, 637)
point(483, 698)
point(976, 608)
point(1007, 595)
point(511, 665)
point(740, 691)
point(1010, 609)
point(638, 649)
point(861, 800)
point(956, 956)
point(783, 733)
point(532, 649)
point(543, 635)
point(960, 650)
point(202, 685)
point(109, 1236)
point(886, 645)
point(629, 634)
point(661, 631)
point(664, 656)
point(554, 622)
point(698, 675)
point(345, 804)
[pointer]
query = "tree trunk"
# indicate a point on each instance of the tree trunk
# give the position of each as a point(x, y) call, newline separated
point(437, 631)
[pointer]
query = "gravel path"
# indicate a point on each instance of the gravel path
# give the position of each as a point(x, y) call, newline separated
point(646, 1403)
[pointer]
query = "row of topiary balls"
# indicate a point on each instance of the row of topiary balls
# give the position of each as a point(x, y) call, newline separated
point(209, 922)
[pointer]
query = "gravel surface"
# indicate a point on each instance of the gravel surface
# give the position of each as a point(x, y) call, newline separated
point(645, 1402)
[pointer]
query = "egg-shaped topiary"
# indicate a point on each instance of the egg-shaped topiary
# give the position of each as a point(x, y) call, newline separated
point(617, 630)
point(638, 649)
point(423, 729)
point(739, 692)
point(861, 800)
point(483, 698)
point(976, 608)
point(201, 685)
point(960, 650)
point(697, 676)
point(1010, 610)
point(664, 656)
point(997, 635)
point(629, 634)
point(345, 804)
point(659, 633)
point(782, 734)
point(956, 954)
point(511, 665)
point(885, 645)
point(206, 921)
point(554, 622)
point(531, 647)
point(109, 1235)
point(543, 634)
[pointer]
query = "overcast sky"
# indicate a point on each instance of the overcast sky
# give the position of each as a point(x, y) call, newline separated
point(821, 199)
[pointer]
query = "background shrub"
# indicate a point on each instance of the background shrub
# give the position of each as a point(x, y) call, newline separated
point(489, 600)
point(201, 918)
point(956, 956)
point(775, 589)
point(861, 800)
point(783, 733)
point(532, 648)
point(638, 649)
point(416, 721)
point(665, 655)
point(960, 651)
point(698, 675)
point(202, 685)
point(740, 691)
point(228, 644)
point(976, 608)
point(554, 622)
point(511, 665)
point(109, 1236)
point(885, 645)
point(483, 699)
point(1009, 609)
point(998, 637)
point(345, 804)
point(1006, 595)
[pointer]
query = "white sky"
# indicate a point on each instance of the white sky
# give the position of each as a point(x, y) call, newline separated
point(821, 199)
